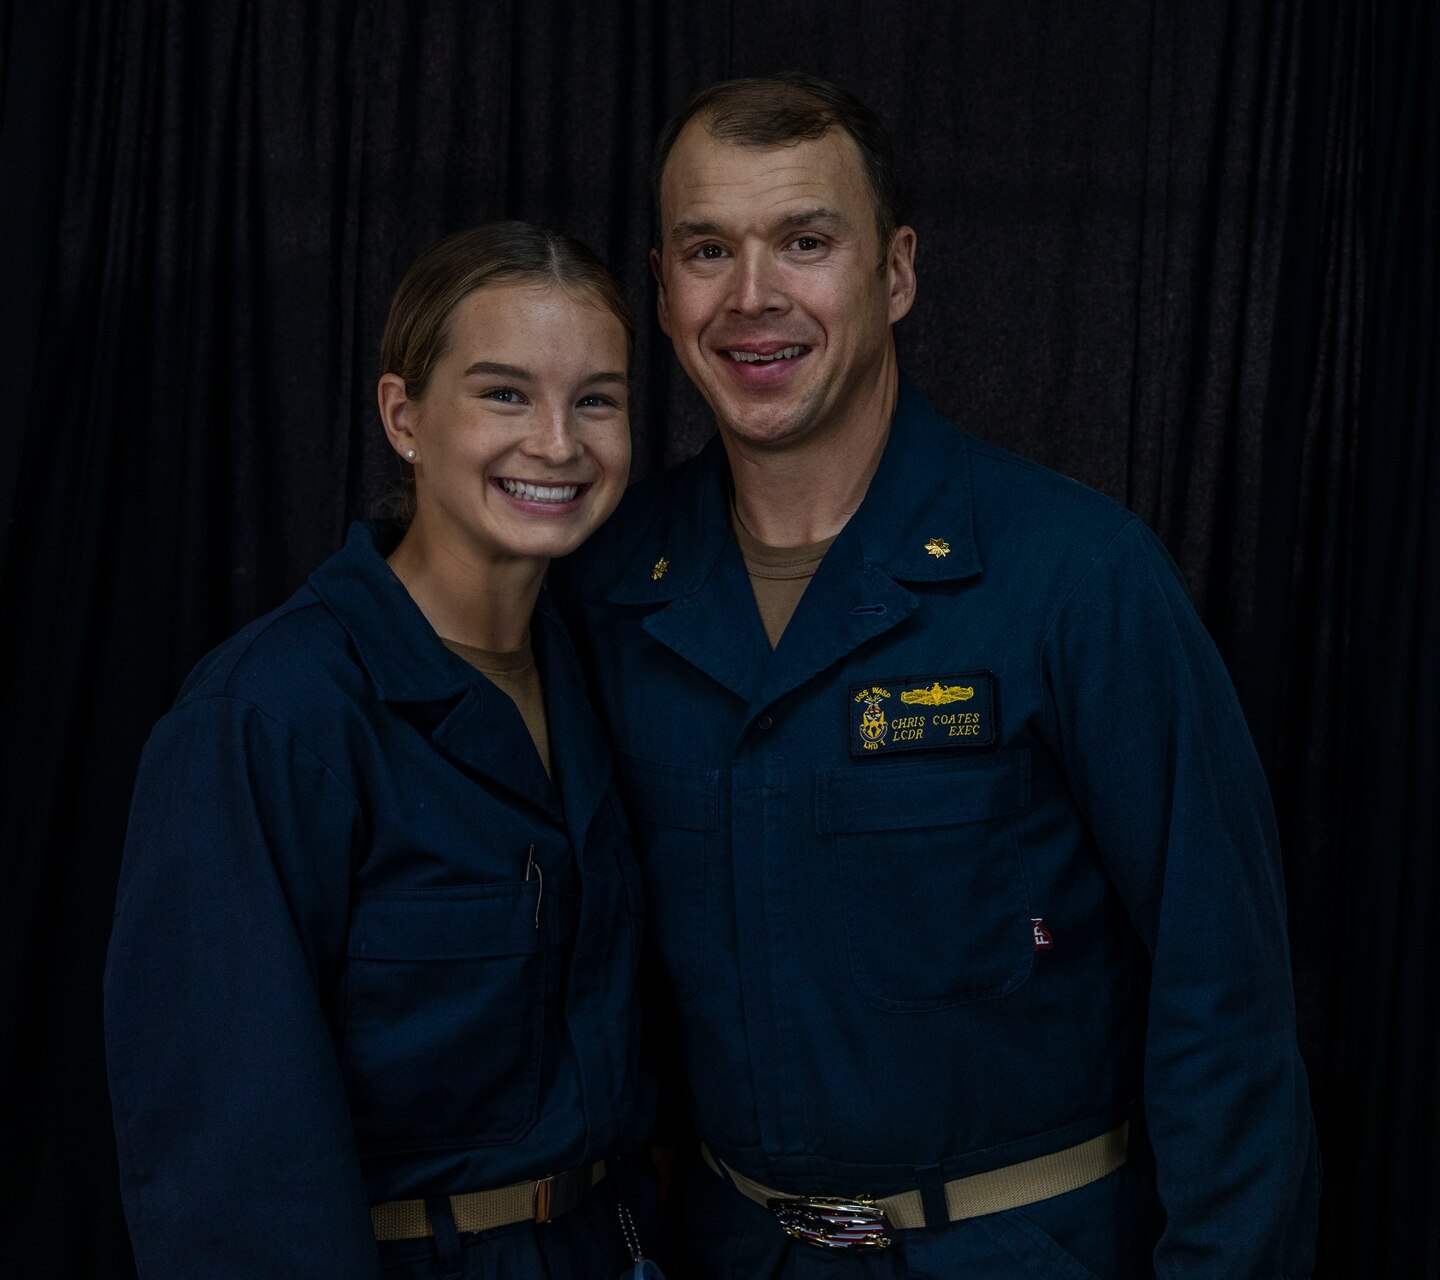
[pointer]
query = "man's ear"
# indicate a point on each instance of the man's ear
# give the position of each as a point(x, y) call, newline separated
point(662, 299)
point(398, 413)
point(900, 272)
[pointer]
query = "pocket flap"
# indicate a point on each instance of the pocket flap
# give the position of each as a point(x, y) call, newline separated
point(907, 797)
point(473, 923)
point(670, 795)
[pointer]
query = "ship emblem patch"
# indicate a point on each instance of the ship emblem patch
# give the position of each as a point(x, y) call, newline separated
point(873, 725)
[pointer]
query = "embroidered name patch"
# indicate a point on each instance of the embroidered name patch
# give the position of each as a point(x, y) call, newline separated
point(922, 713)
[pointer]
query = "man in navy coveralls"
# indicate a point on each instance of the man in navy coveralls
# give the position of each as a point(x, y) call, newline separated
point(962, 867)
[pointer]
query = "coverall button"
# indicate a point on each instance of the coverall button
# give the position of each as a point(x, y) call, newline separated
point(765, 722)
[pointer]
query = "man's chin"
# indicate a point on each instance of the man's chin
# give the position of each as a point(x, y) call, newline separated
point(764, 431)
point(772, 424)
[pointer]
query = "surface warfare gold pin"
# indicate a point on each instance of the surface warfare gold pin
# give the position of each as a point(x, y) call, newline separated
point(658, 571)
point(938, 547)
point(935, 696)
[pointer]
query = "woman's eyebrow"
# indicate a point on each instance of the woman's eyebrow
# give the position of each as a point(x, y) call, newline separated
point(495, 370)
point(608, 376)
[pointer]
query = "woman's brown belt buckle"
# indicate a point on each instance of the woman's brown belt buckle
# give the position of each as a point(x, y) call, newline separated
point(830, 1222)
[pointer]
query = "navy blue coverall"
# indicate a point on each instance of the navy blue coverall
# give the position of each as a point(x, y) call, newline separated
point(330, 983)
point(977, 863)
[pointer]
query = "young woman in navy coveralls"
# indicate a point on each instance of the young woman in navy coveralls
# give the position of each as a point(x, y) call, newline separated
point(369, 1002)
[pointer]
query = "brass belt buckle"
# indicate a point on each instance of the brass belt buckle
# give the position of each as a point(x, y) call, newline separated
point(561, 1192)
point(545, 1199)
point(832, 1222)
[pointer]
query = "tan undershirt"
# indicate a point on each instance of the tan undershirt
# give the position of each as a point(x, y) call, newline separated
point(778, 576)
point(514, 674)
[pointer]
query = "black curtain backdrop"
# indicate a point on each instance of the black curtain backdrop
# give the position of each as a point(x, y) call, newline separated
point(1185, 252)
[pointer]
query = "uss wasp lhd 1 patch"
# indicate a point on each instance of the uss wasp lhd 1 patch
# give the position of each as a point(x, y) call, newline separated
point(922, 713)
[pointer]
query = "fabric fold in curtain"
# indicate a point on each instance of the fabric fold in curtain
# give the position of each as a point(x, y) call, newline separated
point(1385, 1112)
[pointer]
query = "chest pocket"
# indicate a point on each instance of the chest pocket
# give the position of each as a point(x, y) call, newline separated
point(936, 910)
point(446, 992)
point(675, 812)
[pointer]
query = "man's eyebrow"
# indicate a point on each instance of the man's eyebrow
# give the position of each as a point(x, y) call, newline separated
point(818, 216)
point(495, 370)
point(684, 230)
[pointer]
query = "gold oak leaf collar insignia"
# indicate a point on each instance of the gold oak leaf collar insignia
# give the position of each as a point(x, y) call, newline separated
point(938, 547)
point(658, 571)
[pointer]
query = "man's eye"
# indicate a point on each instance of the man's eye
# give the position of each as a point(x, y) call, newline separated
point(806, 244)
point(505, 395)
point(710, 252)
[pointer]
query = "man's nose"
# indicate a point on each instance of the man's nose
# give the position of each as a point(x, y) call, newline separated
point(757, 283)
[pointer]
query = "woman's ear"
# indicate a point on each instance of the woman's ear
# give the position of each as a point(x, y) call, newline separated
point(397, 412)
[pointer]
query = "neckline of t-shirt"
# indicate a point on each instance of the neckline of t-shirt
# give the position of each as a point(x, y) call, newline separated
point(765, 561)
point(498, 662)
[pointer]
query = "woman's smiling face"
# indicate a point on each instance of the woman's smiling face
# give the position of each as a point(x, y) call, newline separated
point(522, 435)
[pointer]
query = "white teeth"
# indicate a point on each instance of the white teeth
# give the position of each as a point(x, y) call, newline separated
point(754, 357)
point(540, 492)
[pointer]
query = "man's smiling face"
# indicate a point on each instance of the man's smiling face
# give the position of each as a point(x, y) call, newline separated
point(769, 286)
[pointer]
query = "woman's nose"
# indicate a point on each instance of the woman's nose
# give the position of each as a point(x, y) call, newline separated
point(555, 440)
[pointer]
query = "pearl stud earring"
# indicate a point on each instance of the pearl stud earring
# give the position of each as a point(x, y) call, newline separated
point(410, 454)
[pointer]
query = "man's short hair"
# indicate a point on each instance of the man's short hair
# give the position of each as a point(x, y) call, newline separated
point(779, 110)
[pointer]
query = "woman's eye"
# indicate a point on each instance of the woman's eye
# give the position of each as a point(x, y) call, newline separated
point(505, 395)
point(596, 402)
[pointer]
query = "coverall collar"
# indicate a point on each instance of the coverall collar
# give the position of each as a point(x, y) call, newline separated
point(688, 541)
point(477, 723)
point(916, 522)
point(915, 525)
point(396, 645)
point(920, 491)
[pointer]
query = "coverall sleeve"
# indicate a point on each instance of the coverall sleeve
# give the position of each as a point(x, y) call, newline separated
point(1160, 762)
point(237, 1155)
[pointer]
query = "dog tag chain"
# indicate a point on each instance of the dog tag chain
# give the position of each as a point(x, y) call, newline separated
point(643, 1269)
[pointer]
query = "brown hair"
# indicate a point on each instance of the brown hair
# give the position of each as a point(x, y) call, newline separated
point(783, 109)
point(417, 330)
